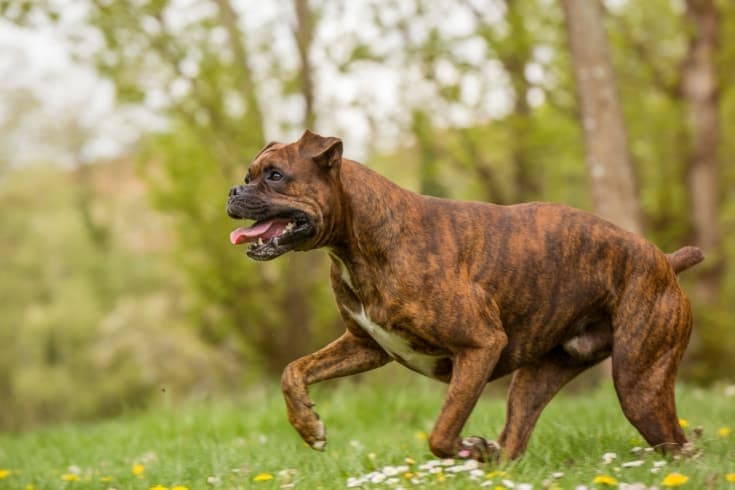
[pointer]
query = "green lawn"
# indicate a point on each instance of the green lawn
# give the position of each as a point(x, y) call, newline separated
point(249, 444)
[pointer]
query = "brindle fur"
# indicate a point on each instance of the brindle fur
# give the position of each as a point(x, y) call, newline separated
point(540, 290)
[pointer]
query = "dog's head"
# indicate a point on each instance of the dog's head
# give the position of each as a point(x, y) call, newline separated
point(292, 193)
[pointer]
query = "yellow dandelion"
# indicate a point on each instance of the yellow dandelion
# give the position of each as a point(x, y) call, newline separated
point(4, 474)
point(70, 477)
point(106, 479)
point(440, 477)
point(158, 487)
point(179, 487)
point(730, 477)
point(499, 487)
point(263, 477)
point(674, 480)
point(421, 435)
point(684, 423)
point(495, 473)
point(724, 431)
point(30, 486)
point(138, 469)
point(605, 480)
point(409, 461)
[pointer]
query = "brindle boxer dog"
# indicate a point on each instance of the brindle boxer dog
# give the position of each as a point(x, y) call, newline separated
point(467, 292)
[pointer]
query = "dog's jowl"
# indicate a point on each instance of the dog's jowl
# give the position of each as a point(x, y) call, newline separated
point(466, 292)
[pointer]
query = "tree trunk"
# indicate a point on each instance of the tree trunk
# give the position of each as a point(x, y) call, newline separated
point(514, 51)
point(701, 94)
point(514, 61)
point(229, 19)
point(609, 165)
point(304, 34)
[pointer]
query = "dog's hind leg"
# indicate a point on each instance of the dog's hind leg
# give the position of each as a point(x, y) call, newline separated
point(648, 344)
point(530, 391)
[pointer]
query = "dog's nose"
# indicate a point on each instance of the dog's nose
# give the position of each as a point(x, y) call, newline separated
point(234, 190)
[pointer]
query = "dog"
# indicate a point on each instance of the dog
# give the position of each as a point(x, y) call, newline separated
point(467, 292)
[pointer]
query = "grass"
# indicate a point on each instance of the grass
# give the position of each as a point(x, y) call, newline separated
point(248, 444)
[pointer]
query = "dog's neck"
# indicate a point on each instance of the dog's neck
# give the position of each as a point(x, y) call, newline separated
point(372, 208)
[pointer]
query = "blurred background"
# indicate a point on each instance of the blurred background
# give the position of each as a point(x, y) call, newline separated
point(124, 123)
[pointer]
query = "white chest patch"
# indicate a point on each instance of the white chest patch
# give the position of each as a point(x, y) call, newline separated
point(344, 272)
point(395, 345)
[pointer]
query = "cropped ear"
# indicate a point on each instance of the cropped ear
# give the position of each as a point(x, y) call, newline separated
point(269, 145)
point(326, 152)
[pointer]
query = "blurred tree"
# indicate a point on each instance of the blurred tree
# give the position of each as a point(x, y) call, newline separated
point(513, 46)
point(659, 50)
point(701, 92)
point(608, 156)
point(90, 330)
point(304, 37)
point(221, 123)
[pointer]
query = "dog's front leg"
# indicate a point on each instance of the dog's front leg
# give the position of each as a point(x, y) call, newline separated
point(347, 355)
point(471, 370)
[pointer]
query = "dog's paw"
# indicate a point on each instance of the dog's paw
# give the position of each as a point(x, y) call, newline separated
point(320, 439)
point(478, 448)
point(311, 430)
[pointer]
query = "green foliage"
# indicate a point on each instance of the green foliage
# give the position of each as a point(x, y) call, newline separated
point(88, 326)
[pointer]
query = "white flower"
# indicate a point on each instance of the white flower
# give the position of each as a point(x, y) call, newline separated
point(608, 458)
point(447, 462)
point(429, 464)
point(633, 486)
point(633, 464)
point(377, 477)
point(525, 486)
point(508, 483)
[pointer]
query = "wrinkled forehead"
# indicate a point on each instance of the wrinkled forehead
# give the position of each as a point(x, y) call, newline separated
point(274, 153)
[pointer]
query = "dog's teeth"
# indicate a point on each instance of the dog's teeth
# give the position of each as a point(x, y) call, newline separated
point(290, 225)
point(260, 241)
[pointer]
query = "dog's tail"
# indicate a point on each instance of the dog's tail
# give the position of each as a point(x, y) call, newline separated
point(685, 258)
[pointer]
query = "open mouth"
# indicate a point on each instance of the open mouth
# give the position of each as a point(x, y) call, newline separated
point(269, 238)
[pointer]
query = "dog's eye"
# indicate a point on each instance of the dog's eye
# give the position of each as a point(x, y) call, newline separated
point(247, 178)
point(275, 176)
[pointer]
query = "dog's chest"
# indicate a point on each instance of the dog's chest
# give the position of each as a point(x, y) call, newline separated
point(392, 342)
point(395, 345)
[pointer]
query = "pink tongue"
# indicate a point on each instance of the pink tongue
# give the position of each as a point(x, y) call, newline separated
point(267, 229)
